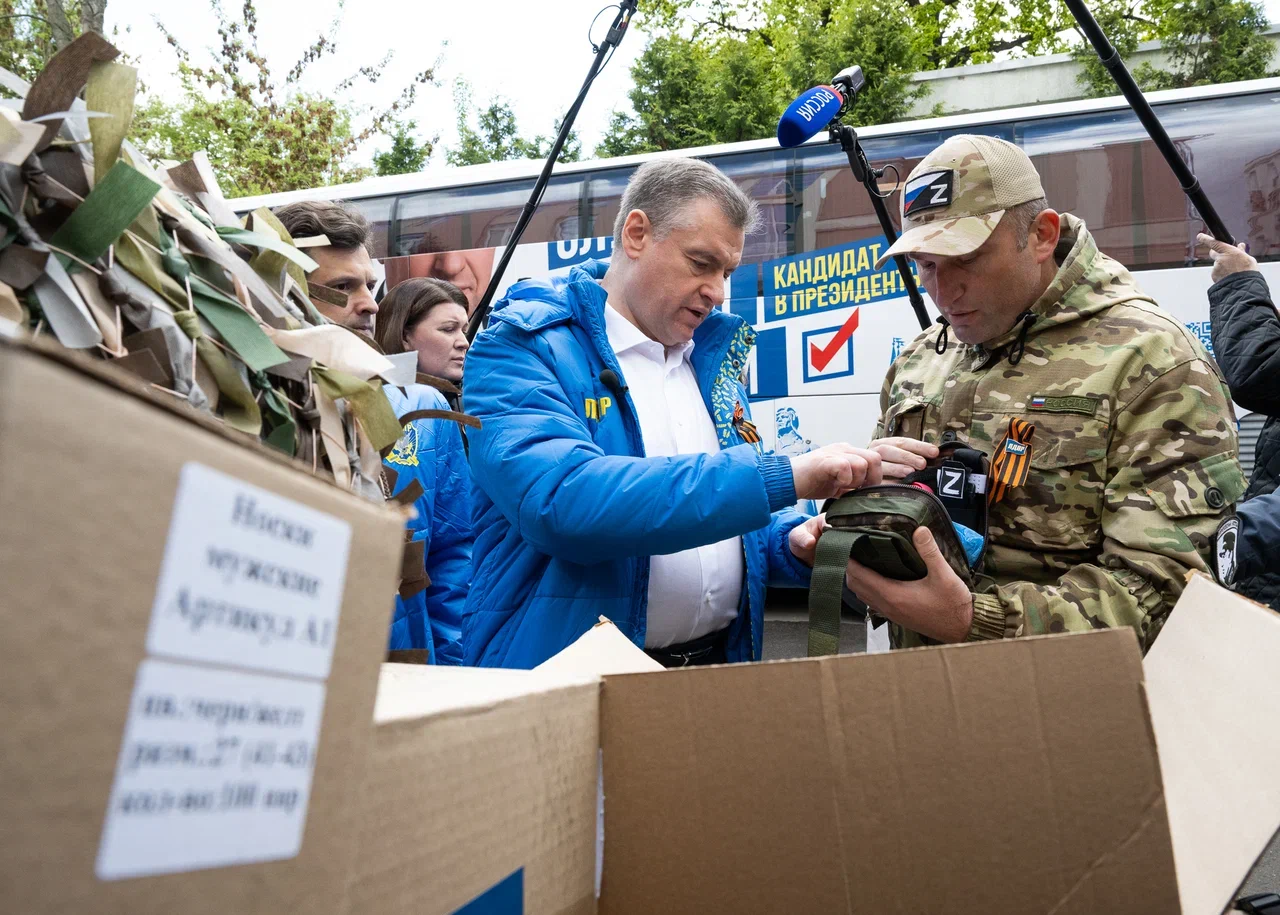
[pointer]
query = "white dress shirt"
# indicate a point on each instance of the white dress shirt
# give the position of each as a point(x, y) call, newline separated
point(694, 592)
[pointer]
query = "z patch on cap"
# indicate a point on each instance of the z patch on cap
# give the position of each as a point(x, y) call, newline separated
point(927, 192)
point(1224, 552)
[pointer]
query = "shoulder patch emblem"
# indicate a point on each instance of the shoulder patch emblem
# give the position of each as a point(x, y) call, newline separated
point(405, 452)
point(1224, 552)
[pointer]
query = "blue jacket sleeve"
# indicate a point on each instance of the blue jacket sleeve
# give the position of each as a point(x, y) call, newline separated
point(785, 571)
point(448, 554)
point(442, 520)
point(1259, 535)
point(536, 459)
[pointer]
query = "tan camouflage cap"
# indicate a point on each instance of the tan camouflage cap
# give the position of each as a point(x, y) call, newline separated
point(953, 200)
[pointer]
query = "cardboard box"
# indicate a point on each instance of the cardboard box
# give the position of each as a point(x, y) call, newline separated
point(1018, 776)
point(1043, 775)
point(192, 629)
point(480, 795)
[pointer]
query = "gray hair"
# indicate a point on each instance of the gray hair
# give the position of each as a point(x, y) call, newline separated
point(664, 188)
point(1021, 217)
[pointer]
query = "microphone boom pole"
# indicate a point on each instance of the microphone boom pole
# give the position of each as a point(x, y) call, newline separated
point(1142, 108)
point(828, 105)
point(864, 173)
point(626, 9)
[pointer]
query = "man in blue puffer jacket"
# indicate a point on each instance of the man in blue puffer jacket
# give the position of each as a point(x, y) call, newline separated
point(617, 471)
point(430, 453)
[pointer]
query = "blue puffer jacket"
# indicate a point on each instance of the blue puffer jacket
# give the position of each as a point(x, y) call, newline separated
point(568, 509)
point(431, 452)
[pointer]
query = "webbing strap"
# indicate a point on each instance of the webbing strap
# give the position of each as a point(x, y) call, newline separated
point(826, 588)
point(460, 418)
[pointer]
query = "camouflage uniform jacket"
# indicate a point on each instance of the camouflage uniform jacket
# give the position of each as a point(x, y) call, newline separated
point(1133, 458)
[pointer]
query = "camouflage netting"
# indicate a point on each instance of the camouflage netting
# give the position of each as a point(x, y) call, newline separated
point(151, 269)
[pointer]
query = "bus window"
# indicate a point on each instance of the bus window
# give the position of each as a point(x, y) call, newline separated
point(763, 176)
point(481, 216)
point(835, 208)
point(601, 197)
point(1103, 168)
point(378, 211)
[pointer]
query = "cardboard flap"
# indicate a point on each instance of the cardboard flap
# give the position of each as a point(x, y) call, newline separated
point(480, 797)
point(407, 691)
point(1016, 776)
point(1214, 691)
point(603, 649)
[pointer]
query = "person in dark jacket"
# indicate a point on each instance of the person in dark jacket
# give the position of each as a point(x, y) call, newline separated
point(1246, 548)
point(1246, 343)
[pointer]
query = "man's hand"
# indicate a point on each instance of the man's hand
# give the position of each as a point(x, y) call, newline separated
point(1226, 259)
point(901, 456)
point(938, 606)
point(804, 538)
point(833, 471)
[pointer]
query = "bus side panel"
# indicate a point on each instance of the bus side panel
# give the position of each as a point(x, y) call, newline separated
point(471, 269)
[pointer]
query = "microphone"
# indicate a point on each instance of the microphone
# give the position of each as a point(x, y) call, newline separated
point(808, 115)
point(609, 378)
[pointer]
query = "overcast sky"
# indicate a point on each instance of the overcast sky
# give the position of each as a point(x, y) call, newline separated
point(534, 53)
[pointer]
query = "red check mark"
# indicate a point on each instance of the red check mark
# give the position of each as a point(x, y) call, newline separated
point(821, 356)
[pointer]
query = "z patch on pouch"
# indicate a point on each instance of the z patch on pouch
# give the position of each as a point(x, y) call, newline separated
point(1225, 541)
point(927, 192)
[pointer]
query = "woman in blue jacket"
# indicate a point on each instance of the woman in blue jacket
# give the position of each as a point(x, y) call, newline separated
point(430, 459)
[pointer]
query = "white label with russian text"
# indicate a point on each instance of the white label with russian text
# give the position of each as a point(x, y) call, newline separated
point(249, 578)
point(215, 769)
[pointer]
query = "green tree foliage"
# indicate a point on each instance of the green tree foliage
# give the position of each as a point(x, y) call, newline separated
point(262, 133)
point(1207, 41)
point(495, 137)
point(956, 33)
point(31, 31)
point(406, 155)
point(718, 71)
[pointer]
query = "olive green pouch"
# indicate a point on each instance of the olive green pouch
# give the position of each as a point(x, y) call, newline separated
point(874, 527)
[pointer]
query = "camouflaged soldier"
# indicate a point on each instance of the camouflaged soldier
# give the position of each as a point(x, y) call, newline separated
point(1109, 427)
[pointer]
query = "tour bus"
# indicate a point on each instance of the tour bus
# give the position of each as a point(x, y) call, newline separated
point(827, 323)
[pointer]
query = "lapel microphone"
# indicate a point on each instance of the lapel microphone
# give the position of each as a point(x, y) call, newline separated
point(609, 378)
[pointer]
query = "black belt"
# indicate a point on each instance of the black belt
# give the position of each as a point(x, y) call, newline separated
point(707, 649)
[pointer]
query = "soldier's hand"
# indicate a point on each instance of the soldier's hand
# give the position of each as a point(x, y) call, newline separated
point(1227, 259)
point(834, 470)
point(901, 456)
point(938, 606)
point(803, 538)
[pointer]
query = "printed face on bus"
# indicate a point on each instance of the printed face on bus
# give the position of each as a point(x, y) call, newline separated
point(440, 340)
point(672, 283)
point(469, 270)
point(348, 270)
point(983, 293)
